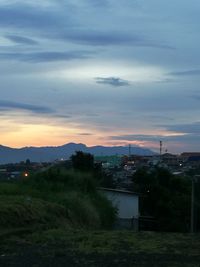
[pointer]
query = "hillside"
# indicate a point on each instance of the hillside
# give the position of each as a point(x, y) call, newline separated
point(53, 197)
point(41, 154)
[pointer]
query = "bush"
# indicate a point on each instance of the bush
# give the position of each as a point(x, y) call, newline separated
point(80, 210)
point(106, 211)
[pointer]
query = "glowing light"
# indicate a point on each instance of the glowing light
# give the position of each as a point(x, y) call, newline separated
point(90, 70)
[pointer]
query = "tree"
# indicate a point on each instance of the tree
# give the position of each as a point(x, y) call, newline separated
point(28, 162)
point(83, 161)
point(165, 197)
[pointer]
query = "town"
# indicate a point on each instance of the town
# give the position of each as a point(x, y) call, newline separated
point(128, 181)
point(120, 167)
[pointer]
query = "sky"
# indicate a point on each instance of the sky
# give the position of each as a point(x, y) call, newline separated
point(100, 72)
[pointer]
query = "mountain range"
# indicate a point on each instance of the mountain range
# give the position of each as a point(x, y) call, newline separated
point(51, 153)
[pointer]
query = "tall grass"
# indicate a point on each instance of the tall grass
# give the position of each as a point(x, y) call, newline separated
point(19, 211)
point(55, 196)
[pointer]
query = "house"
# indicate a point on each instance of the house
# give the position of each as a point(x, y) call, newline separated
point(171, 161)
point(191, 159)
point(127, 204)
point(187, 155)
point(3, 174)
point(14, 175)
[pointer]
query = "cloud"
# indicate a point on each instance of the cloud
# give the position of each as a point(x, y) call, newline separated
point(58, 23)
point(37, 57)
point(85, 134)
point(114, 81)
point(156, 138)
point(97, 3)
point(186, 133)
point(9, 105)
point(97, 38)
point(185, 73)
point(196, 97)
point(26, 16)
point(174, 143)
point(136, 137)
point(190, 128)
point(21, 40)
point(107, 38)
point(63, 116)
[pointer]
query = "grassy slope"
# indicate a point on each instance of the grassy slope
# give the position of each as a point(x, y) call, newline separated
point(54, 198)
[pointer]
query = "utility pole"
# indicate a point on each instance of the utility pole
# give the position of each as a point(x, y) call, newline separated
point(129, 150)
point(161, 147)
point(192, 208)
point(161, 151)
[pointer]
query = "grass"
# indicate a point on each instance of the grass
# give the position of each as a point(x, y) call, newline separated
point(21, 211)
point(104, 242)
point(53, 198)
point(103, 248)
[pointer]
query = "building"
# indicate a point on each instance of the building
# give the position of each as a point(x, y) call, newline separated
point(127, 204)
point(191, 159)
point(171, 161)
point(3, 174)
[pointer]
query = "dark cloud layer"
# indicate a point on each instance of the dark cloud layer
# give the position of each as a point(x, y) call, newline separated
point(136, 137)
point(21, 39)
point(185, 133)
point(58, 24)
point(190, 128)
point(26, 16)
point(37, 57)
point(186, 72)
point(85, 134)
point(114, 81)
point(9, 105)
point(110, 38)
point(103, 38)
point(192, 138)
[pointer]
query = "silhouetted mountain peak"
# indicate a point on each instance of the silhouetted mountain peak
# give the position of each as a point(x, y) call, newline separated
point(51, 153)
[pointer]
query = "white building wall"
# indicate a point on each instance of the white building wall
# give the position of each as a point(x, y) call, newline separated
point(127, 204)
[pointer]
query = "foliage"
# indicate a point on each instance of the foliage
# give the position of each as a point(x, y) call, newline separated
point(106, 211)
point(71, 191)
point(166, 197)
point(82, 161)
point(81, 212)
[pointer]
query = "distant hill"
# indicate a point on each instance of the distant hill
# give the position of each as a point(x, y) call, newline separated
point(41, 154)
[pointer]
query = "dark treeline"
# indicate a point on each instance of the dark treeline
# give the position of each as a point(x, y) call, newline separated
point(167, 198)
